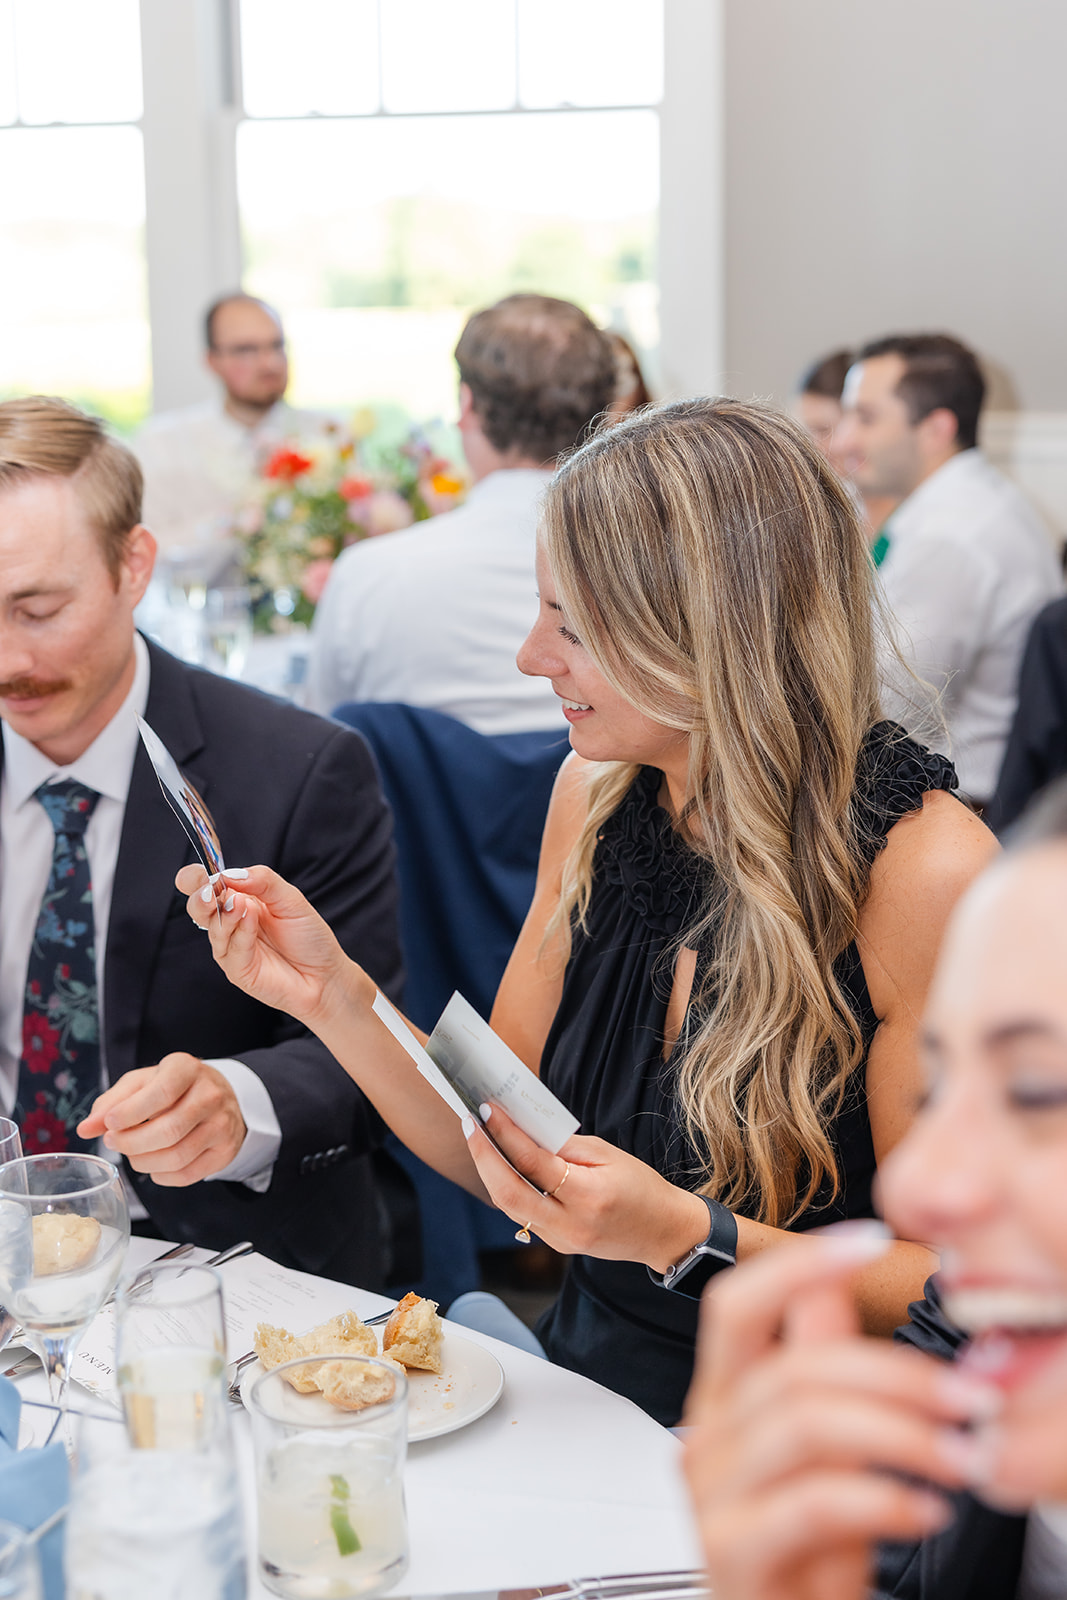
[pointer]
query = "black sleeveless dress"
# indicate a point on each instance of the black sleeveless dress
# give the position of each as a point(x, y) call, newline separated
point(604, 1059)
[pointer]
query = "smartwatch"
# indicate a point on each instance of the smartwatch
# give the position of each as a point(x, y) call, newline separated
point(711, 1255)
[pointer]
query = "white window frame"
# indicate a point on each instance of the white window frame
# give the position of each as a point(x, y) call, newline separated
point(193, 106)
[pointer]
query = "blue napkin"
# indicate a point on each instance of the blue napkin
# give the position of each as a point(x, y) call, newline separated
point(33, 1484)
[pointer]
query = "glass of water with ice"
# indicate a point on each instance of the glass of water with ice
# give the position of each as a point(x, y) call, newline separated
point(329, 1480)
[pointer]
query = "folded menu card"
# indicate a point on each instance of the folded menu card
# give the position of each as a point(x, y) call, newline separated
point(467, 1063)
point(183, 799)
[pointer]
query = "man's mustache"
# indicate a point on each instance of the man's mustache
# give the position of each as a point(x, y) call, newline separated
point(32, 688)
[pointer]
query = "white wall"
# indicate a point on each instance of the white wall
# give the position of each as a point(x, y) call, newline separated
point(897, 166)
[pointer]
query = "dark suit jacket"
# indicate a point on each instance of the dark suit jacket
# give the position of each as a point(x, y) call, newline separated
point(979, 1555)
point(1036, 751)
point(300, 794)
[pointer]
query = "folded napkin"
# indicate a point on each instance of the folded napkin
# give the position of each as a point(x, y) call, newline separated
point(33, 1484)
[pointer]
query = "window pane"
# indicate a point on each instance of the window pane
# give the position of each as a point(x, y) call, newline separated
point(78, 62)
point(327, 64)
point(454, 57)
point(613, 53)
point(375, 278)
point(72, 269)
point(8, 102)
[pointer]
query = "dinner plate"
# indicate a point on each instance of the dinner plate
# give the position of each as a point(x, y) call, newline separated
point(470, 1385)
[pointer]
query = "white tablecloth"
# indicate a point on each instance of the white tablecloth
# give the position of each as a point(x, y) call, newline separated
point(561, 1480)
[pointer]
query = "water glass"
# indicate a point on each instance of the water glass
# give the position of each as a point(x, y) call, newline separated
point(228, 627)
point(10, 1150)
point(156, 1523)
point(20, 1571)
point(330, 1486)
point(170, 1349)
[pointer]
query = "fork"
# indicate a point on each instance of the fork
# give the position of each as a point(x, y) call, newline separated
point(235, 1368)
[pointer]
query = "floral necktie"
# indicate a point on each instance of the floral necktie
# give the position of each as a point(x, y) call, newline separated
point(59, 1073)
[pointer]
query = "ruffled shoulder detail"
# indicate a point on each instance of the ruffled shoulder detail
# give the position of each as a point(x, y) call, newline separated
point(893, 774)
point(639, 849)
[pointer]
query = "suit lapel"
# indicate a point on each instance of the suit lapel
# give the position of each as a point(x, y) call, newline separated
point(151, 850)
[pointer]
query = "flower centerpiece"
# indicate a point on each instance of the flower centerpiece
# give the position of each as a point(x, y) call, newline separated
point(318, 495)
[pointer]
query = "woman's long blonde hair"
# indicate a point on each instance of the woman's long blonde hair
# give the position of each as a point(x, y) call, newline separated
point(716, 571)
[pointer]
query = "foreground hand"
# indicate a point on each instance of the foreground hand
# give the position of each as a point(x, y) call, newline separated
point(179, 1122)
point(266, 938)
point(802, 1429)
point(608, 1204)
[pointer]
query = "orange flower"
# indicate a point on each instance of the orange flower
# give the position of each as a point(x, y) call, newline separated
point(446, 483)
point(287, 464)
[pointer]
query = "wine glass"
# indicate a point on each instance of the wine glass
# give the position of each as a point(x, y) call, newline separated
point(10, 1150)
point(64, 1229)
point(228, 626)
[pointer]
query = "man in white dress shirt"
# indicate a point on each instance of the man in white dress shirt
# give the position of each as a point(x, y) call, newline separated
point(195, 1086)
point(969, 563)
point(200, 461)
point(434, 615)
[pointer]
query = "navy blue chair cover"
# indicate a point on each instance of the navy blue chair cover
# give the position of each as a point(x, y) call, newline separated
point(468, 810)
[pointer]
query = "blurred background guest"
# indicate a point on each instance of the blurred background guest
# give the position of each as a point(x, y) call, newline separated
point(631, 390)
point(968, 563)
point(434, 615)
point(818, 406)
point(199, 461)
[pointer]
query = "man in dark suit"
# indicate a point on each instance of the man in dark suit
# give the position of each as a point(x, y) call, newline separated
point(232, 1120)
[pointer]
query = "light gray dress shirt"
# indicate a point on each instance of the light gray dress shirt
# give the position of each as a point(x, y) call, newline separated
point(434, 615)
point(969, 566)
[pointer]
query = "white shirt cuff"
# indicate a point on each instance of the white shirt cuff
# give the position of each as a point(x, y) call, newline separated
point(254, 1162)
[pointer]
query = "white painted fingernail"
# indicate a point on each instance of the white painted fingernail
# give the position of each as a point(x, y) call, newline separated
point(229, 903)
point(467, 1124)
point(214, 878)
point(238, 873)
point(485, 1112)
point(207, 894)
point(243, 915)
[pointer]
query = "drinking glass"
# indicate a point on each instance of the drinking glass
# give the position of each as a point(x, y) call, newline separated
point(64, 1228)
point(10, 1150)
point(20, 1570)
point(228, 627)
point(330, 1487)
point(149, 1523)
point(170, 1350)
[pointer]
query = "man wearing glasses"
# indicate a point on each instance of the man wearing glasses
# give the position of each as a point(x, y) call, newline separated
point(199, 461)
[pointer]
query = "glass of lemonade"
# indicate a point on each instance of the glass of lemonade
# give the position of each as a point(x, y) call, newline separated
point(330, 1484)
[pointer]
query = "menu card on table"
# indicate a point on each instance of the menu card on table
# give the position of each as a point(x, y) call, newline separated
point(254, 1289)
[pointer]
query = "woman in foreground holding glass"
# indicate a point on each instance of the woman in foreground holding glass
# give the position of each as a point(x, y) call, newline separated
point(810, 1443)
point(733, 927)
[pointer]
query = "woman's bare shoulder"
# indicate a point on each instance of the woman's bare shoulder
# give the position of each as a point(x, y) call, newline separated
point(931, 857)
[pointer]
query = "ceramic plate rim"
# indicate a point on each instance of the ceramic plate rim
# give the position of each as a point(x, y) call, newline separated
point(492, 1371)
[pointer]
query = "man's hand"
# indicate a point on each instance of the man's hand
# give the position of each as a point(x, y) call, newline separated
point(179, 1122)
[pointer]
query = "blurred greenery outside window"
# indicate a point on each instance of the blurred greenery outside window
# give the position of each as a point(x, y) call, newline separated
point(399, 163)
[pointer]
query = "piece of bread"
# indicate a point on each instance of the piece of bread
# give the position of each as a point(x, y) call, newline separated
point(62, 1242)
point(354, 1385)
point(413, 1334)
point(344, 1335)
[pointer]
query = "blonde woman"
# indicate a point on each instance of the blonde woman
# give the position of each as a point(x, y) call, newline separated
point(743, 883)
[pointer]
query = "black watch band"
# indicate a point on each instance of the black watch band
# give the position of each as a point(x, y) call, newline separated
point(689, 1275)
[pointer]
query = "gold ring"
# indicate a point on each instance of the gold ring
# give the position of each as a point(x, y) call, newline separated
point(523, 1235)
point(552, 1193)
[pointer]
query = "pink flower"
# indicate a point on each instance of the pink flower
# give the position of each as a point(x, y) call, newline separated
point(314, 580)
point(386, 512)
